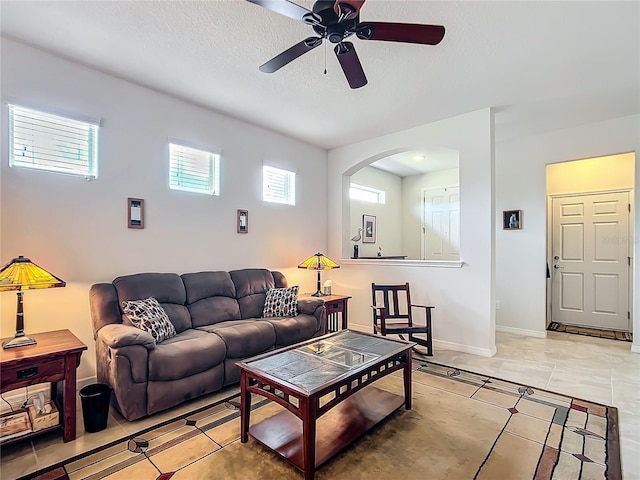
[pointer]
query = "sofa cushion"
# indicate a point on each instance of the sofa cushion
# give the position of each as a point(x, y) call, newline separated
point(244, 338)
point(186, 354)
point(167, 288)
point(281, 302)
point(290, 330)
point(210, 298)
point(149, 316)
point(251, 289)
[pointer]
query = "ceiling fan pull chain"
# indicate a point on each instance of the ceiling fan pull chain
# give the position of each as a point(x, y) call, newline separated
point(325, 58)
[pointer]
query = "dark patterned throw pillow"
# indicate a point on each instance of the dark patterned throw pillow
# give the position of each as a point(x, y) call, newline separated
point(148, 315)
point(281, 302)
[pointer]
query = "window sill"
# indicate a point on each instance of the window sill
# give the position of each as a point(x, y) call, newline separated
point(403, 263)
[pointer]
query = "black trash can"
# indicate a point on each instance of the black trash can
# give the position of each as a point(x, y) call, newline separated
point(95, 400)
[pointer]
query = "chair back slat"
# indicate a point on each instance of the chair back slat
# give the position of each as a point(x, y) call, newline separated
point(395, 299)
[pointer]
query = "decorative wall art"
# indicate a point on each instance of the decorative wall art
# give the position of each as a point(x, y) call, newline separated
point(135, 212)
point(243, 221)
point(512, 219)
point(368, 229)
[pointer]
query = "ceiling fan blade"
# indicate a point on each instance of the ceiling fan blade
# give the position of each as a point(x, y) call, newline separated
point(401, 32)
point(350, 64)
point(279, 61)
point(289, 9)
point(348, 8)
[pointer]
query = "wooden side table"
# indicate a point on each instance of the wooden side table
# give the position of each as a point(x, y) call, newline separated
point(54, 359)
point(335, 304)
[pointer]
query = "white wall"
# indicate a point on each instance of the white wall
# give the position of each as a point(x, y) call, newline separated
point(78, 229)
point(412, 188)
point(464, 297)
point(388, 215)
point(520, 184)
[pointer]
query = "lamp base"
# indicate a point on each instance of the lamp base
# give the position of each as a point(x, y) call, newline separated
point(319, 294)
point(19, 341)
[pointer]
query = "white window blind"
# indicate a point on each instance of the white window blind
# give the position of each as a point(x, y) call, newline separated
point(193, 170)
point(278, 186)
point(50, 142)
point(366, 194)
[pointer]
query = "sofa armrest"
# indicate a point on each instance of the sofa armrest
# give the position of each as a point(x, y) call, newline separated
point(314, 306)
point(118, 335)
point(309, 305)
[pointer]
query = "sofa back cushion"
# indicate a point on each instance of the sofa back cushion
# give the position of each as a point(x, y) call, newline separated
point(211, 298)
point(166, 288)
point(251, 289)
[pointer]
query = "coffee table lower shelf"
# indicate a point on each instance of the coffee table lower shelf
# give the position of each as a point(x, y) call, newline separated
point(335, 430)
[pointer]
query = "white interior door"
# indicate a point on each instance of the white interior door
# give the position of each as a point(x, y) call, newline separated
point(590, 264)
point(441, 224)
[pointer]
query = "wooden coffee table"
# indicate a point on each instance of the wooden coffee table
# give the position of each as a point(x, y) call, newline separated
point(324, 386)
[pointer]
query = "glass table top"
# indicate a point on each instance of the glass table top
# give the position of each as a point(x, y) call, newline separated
point(317, 363)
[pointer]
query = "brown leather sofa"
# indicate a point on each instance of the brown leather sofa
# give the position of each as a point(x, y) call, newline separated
point(217, 317)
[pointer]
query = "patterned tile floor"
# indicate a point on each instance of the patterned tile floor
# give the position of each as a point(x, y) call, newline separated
point(594, 369)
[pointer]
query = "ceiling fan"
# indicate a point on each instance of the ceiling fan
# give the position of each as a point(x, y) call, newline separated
point(336, 20)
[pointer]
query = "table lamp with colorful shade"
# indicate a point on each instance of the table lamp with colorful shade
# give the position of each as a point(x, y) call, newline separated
point(318, 262)
point(21, 274)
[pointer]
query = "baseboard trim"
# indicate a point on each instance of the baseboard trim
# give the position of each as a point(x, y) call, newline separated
point(521, 331)
point(635, 348)
point(483, 352)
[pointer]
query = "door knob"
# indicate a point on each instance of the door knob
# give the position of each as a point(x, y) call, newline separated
point(557, 267)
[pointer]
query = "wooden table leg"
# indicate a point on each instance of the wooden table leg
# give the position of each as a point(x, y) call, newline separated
point(344, 315)
point(69, 398)
point(407, 382)
point(309, 436)
point(245, 407)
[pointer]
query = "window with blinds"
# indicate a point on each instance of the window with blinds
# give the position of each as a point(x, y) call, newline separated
point(278, 186)
point(193, 170)
point(44, 141)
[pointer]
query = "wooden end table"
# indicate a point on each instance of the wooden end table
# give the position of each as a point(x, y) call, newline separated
point(324, 384)
point(54, 358)
point(334, 304)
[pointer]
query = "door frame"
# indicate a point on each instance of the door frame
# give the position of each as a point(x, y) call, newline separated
point(630, 231)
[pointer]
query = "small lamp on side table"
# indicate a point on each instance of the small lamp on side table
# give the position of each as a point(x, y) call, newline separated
point(21, 274)
point(318, 262)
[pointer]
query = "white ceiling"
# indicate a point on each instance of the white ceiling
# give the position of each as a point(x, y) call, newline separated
point(544, 64)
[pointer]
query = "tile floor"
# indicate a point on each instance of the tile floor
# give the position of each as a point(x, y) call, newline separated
point(596, 369)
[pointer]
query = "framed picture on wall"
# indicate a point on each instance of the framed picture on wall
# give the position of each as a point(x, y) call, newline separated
point(135, 212)
point(243, 221)
point(368, 229)
point(512, 219)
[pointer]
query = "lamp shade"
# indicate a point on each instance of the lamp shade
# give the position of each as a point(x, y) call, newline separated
point(21, 274)
point(318, 262)
point(18, 275)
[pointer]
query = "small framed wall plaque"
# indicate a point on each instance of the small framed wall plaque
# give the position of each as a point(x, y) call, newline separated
point(512, 219)
point(135, 212)
point(243, 221)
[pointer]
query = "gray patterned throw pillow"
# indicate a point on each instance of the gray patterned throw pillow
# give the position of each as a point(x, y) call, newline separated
point(281, 302)
point(148, 315)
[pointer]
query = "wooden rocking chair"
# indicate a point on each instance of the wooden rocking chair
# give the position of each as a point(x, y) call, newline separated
point(392, 314)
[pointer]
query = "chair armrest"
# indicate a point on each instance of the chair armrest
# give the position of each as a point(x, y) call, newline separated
point(423, 306)
point(116, 336)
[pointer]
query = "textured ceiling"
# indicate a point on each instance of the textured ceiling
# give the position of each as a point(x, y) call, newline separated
point(543, 64)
